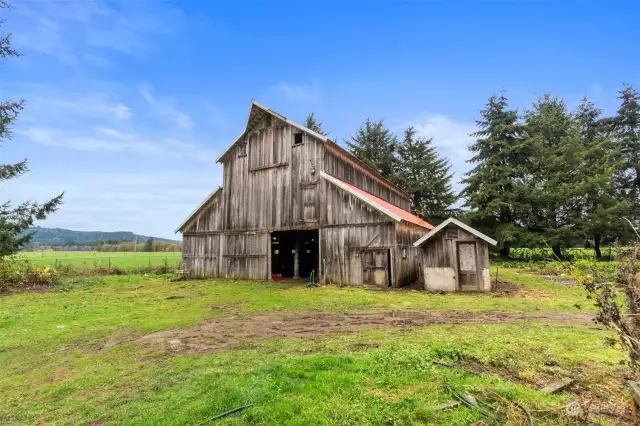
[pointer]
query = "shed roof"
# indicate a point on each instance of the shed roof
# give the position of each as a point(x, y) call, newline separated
point(377, 203)
point(456, 222)
point(195, 213)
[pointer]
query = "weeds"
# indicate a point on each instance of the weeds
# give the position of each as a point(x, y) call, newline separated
point(620, 312)
point(22, 275)
point(19, 274)
point(571, 254)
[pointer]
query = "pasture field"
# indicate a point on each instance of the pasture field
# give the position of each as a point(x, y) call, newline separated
point(94, 259)
point(144, 350)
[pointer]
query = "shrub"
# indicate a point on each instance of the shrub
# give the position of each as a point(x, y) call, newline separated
point(21, 275)
point(618, 302)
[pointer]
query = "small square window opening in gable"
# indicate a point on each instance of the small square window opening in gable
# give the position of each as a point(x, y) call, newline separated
point(267, 120)
point(451, 233)
point(297, 138)
point(242, 150)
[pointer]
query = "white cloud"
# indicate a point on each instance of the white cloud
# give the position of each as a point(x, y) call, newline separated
point(131, 28)
point(96, 105)
point(110, 140)
point(95, 140)
point(66, 29)
point(452, 139)
point(42, 34)
point(298, 92)
point(164, 108)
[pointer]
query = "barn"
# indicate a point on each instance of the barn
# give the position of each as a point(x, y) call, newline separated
point(294, 204)
point(455, 257)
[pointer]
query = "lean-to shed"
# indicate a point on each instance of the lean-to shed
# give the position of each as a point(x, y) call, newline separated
point(454, 257)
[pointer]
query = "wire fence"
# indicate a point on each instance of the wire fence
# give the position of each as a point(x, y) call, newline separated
point(108, 262)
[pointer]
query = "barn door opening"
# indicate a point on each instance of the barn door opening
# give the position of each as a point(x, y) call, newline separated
point(294, 254)
point(376, 267)
point(467, 266)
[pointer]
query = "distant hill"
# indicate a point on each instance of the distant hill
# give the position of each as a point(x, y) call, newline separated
point(66, 237)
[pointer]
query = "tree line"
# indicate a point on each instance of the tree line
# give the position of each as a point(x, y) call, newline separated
point(548, 176)
point(150, 245)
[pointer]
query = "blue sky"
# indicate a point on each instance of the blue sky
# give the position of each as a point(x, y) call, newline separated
point(129, 103)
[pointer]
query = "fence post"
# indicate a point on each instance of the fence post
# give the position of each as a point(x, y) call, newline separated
point(149, 261)
point(109, 262)
point(56, 264)
point(165, 263)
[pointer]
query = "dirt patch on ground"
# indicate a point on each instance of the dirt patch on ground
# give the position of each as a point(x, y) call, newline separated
point(243, 330)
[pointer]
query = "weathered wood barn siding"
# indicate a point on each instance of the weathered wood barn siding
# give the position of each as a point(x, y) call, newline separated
point(201, 238)
point(275, 185)
point(345, 167)
point(341, 208)
point(349, 227)
point(439, 259)
point(407, 259)
point(245, 255)
point(271, 183)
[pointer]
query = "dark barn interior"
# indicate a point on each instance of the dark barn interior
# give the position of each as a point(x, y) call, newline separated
point(294, 254)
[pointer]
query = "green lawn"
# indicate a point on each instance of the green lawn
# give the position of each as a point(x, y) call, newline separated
point(73, 356)
point(91, 259)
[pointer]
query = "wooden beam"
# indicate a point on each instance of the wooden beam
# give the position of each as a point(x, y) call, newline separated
point(242, 256)
point(269, 166)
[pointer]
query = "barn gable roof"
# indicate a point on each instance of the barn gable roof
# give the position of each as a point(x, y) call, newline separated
point(394, 212)
point(198, 210)
point(257, 111)
point(456, 222)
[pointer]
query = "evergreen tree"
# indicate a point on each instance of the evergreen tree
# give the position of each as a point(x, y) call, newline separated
point(376, 146)
point(603, 209)
point(14, 220)
point(627, 129)
point(555, 185)
point(493, 186)
point(312, 124)
point(427, 176)
point(148, 245)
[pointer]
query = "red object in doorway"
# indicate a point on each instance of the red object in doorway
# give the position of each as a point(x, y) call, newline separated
point(276, 277)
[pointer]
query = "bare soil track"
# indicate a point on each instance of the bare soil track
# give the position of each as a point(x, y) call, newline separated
point(229, 332)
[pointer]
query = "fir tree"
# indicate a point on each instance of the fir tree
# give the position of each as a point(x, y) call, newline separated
point(376, 146)
point(148, 245)
point(14, 220)
point(627, 129)
point(492, 186)
point(603, 209)
point(427, 176)
point(555, 185)
point(312, 124)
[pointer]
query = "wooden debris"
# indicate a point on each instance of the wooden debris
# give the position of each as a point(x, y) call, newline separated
point(472, 399)
point(558, 386)
point(447, 405)
point(574, 409)
point(526, 411)
point(635, 400)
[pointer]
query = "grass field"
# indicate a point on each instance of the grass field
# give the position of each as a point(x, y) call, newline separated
point(144, 350)
point(88, 259)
